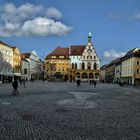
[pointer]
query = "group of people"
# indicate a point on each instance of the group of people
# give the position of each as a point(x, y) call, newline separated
point(15, 85)
point(78, 81)
point(93, 82)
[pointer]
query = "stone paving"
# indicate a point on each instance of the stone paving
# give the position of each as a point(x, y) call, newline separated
point(63, 111)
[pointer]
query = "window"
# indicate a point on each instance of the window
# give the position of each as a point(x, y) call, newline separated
point(137, 62)
point(53, 56)
point(72, 65)
point(83, 65)
point(137, 70)
point(89, 65)
point(84, 76)
point(95, 66)
point(61, 56)
point(76, 66)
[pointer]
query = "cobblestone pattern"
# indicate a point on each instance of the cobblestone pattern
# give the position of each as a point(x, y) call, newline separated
point(35, 114)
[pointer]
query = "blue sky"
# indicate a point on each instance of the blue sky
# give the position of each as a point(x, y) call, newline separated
point(115, 25)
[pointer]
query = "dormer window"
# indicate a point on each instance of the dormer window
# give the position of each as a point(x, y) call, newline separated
point(53, 56)
point(61, 56)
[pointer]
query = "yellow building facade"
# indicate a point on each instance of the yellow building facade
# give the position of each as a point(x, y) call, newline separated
point(16, 62)
point(57, 64)
point(130, 67)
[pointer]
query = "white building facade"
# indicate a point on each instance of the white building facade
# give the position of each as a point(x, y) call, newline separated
point(6, 63)
point(33, 65)
point(85, 63)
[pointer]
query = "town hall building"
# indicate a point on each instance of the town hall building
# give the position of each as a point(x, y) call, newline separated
point(82, 62)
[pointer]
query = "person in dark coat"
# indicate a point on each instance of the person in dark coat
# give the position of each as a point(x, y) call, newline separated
point(78, 82)
point(15, 87)
point(95, 83)
point(90, 81)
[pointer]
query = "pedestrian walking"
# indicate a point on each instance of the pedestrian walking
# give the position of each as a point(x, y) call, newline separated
point(90, 81)
point(15, 87)
point(20, 80)
point(78, 82)
point(95, 83)
point(24, 83)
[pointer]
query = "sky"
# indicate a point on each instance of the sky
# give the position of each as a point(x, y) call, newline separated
point(42, 25)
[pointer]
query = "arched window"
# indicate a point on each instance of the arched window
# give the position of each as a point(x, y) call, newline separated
point(83, 65)
point(91, 76)
point(72, 65)
point(78, 75)
point(76, 66)
point(84, 76)
point(89, 65)
point(95, 66)
point(97, 76)
point(25, 71)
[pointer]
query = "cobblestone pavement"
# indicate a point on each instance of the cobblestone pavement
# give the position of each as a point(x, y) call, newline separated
point(62, 111)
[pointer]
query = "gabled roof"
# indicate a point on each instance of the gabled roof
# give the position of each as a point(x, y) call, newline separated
point(130, 52)
point(135, 52)
point(59, 51)
point(113, 62)
point(77, 49)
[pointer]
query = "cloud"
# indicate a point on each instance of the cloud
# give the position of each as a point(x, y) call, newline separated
point(31, 20)
point(112, 54)
point(44, 27)
point(52, 12)
point(136, 15)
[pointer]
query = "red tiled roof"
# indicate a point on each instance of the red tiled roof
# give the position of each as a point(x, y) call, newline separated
point(59, 52)
point(77, 49)
point(25, 55)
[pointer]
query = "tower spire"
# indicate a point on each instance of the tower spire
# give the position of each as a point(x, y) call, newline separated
point(89, 37)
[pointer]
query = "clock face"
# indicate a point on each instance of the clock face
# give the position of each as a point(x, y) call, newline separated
point(89, 51)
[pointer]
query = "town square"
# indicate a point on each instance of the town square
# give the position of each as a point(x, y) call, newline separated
point(43, 111)
point(70, 70)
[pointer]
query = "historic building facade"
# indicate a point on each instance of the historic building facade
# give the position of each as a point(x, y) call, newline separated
point(34, 65)
point(25, 69)
point(125, 69)
point(102, 73)
point(16, 62)
point(6, 63)
point(88, 63)
point(130, 67)
point(82, 62)
point(57, 64)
